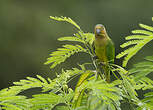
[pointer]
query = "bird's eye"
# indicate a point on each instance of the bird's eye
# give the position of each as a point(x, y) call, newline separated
point(103, 28)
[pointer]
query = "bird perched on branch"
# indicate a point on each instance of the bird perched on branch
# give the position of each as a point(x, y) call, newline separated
point(104, 49)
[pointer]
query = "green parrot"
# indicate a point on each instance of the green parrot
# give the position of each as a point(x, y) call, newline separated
point(104, 49)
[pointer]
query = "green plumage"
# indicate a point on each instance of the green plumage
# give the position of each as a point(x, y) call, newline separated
point(104, 49)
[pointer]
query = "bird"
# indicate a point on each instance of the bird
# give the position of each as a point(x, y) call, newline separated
point(104, 49)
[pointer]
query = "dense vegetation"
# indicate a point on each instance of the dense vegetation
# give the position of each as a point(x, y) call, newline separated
point(91, 91)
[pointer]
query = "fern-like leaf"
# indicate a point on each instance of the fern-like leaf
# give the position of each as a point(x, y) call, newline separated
point(35, 82)
point(144, 83)
point(127, 83)
point(10, 100)
point(149, 28)
point(62, 54)
point(71, 39)
point(147, 102)
point(136, 42)
point(104, 96)
point(47, 101)
point(89, 37)
point(149, 58)
point(9, 97)
point(80, 88)
point(142, 69)
point(13, 102)
point(80, 37)
point(142, 32)
point(69, 20)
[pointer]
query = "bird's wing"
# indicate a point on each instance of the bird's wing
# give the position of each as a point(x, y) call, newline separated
point(110, 51)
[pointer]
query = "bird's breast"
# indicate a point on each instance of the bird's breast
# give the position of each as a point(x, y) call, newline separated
point(100, 49)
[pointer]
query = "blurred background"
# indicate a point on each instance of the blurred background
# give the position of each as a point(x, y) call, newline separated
point(27, 35)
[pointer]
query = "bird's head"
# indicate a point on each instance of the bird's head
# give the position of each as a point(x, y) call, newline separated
point(100, 30)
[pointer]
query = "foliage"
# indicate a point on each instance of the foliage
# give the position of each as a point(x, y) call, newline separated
point(136, 42)
point(62, 53)
point(91, 91)
point(142, 69)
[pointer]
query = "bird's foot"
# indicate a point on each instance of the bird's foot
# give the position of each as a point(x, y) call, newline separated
point(95, 57)
point(102, 63)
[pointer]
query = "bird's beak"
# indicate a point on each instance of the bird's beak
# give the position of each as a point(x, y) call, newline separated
point(98, 31)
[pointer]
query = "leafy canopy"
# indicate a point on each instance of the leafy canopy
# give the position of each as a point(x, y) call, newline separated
point(91, 92)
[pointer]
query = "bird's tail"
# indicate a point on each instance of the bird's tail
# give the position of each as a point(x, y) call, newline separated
point(107, 72)
point(104, 69)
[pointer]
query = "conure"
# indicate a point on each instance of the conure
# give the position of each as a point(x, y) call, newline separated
point(104, 49)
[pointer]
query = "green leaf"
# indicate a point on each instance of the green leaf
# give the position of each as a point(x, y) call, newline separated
point(83, 77)
point(89, 37)
point(33, 83)
point(71, 39)
point(62, 54)
point(80, 88)
point(135, 45)
point(14, 102)
point(50, 98)
point(132, 42)
point(131, 37)
point(142, 69)
point(144, 83)
point(127, 84)
point(45, 101)
point(148, 101)
point(80, 37)
point(62, 108)
point(125, 52)
point(69, 20)
point(104, 95)
point(7, 106)
point(142, 32)
point(149, 28)
point(149, 58)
